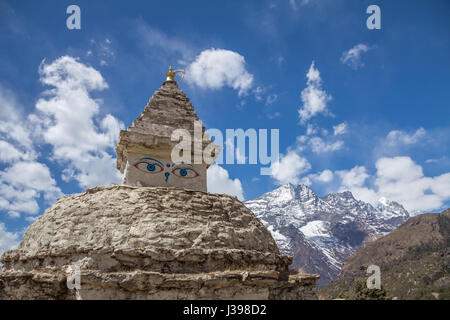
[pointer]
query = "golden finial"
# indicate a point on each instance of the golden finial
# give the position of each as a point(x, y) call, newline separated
point(170, 76)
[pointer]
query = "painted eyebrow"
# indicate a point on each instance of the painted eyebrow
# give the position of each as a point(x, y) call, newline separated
point(175, 163)
point(153, 160)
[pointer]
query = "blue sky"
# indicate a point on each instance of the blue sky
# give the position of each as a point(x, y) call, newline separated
point(375, 102)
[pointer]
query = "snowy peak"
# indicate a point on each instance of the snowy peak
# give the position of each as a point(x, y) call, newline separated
point(288, 192)
point(345, 203)
point(282, 195)
point(391, 209)
point(383, 201)
point(305, 194)
point(341, 198)
point(320, 233)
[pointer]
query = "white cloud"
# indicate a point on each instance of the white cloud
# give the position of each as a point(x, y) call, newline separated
point(217, 68)
point(399, 179)
point(318, 145)
point(66, 120)
point(31, 219)
point(355, 180)
point(13, 130)
point(22, 184)
point(397, 137)
point(340, 129)
point(289, 168)
point(311, 129)
point(24, 180)
point(355, 177)
point(14, 214)
point(8, 240)
point(402, 180)
point(352, 57)
point(9, 153)
point(325, 176)
point(314, 98)
point(219, 181)
point(33, 175)
point(66, 73)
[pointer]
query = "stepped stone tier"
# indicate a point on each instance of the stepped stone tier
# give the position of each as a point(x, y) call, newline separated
point(146, 146)
point(158, 235)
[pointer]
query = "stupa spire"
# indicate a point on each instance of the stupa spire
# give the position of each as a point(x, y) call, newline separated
point(144, 150)
point(170, 76)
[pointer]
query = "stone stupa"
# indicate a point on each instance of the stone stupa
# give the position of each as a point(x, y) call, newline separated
point(158, 235)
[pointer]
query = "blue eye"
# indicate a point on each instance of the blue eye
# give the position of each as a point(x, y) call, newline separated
point(149, 165)
point(188, 173)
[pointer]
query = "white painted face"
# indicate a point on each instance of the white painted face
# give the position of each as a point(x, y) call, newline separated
point(148, 170)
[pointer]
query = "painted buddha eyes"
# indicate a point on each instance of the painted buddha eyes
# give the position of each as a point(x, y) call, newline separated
point(149, 165)
point(185, 173)
point(153, 166)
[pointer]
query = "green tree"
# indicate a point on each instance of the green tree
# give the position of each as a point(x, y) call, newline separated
point(361, 292)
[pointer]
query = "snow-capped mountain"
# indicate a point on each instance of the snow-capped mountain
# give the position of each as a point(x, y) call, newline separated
point(320, 233)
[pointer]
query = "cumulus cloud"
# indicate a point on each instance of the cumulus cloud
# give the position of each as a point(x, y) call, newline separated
point(354, 177)
point(340, 129)
point(219, 181)
point(217, 68)
point(67, 120)
point(355, 180)
point(402, 180)
point(32, 175)
point(14, 133)
point(8, 240)
point(325, 176)
point(289, 168)
point(22, 184)
point(353, 57)
point(10, 153)
point(314, 98)
point(397, 137)
point(399, 179)
point(23, 180)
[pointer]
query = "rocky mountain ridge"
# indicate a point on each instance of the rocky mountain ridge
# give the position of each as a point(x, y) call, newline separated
point(414, 261)
point(321, 232)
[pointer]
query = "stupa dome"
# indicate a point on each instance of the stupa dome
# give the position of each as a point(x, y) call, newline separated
point(160, 223)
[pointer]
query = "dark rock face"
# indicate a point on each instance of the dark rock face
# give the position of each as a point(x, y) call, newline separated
point(349, 233)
